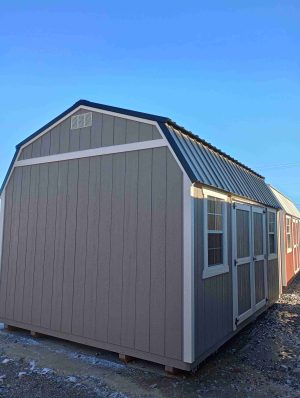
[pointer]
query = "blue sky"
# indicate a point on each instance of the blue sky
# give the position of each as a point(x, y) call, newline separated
point(227, 70)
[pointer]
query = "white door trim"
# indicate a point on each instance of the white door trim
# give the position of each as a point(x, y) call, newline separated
point(236, 262)
point(261, 257)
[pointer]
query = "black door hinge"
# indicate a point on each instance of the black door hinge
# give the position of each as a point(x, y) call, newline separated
point(236, 321)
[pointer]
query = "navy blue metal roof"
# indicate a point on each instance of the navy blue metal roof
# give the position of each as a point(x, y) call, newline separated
point(209, 166)
point(202, 161)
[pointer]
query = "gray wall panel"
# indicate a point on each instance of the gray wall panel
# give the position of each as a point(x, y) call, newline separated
point(38, 275)
point(91, 265)
point(129, 255)
point(273, 280)
point(70, 248)
point(102, 258)
point(30, 246)
point(213, 296)
point(59, 250)
point(105, 130)
point(14, 240)
point(80, 246)
point(6, 244)
point(21, 252)
point(143, 269)
point(49, 246)
point(117, 250)
point(158, 252)
point(104, 249)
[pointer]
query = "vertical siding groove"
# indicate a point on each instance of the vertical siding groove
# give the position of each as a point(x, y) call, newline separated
point(14, 256)
point(59, 256)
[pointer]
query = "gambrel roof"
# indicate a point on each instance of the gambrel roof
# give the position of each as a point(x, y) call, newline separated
point(201, 161)
point(286, 204)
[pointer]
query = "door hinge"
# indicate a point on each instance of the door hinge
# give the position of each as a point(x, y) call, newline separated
point(234, 205)
point(236, 321)
point(235, 263)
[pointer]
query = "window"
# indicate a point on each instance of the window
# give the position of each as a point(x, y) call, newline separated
point(215, 234)
point(272, 234)
point(289, 234)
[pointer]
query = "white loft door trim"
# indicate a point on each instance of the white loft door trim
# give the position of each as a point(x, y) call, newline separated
point(108, 150)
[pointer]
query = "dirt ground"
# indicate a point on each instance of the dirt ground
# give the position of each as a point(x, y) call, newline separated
point(262, 361)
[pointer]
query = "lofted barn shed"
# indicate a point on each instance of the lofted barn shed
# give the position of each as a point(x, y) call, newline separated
point(124, 231)
point(289, 237)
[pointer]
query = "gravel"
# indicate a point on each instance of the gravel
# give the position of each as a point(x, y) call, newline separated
point(262, 361)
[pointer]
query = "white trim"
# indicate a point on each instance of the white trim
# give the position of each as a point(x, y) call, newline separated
point(236, 262)
point(108, 150)
point(289, 249)
point(215, 270)
point(215, 194)
point(2, 207)
point(116, 114)
point(261, 257)
point(272, 256)
point(171, 150)
point(188, 274)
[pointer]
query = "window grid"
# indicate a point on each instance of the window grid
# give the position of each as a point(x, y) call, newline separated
point(272, 233)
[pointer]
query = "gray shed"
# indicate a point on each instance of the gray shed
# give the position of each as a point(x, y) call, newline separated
point(124, 231)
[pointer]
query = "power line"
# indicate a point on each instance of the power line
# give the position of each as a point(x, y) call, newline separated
point(279, 166)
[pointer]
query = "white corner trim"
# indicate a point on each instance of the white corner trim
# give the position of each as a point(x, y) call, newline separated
point(108, 150)
point(2, 207)
point(188, 274)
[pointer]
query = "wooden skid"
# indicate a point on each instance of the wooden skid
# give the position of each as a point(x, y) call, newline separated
point(126, 358)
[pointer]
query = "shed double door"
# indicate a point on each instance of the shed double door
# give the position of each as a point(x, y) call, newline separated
point(249, 261)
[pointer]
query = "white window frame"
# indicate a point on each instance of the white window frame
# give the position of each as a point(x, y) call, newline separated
point(272, 256)
point(213, 270)
point(288, 249)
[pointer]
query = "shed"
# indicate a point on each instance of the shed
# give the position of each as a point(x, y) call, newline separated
point(125, 231)
point(289, 236)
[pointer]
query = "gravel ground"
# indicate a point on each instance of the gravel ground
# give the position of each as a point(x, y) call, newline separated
point(262, 361)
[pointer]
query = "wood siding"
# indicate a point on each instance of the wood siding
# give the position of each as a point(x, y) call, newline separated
point(213, 296)
point(273, 280)
point(106, 130)
point(93, 247)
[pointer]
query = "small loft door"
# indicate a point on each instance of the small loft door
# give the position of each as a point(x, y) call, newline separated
point(249, 261)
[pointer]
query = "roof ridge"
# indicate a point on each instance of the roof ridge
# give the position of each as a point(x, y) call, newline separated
point(209, 145)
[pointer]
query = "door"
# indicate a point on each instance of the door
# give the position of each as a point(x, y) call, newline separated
point(249, 261)
point(259, 256)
